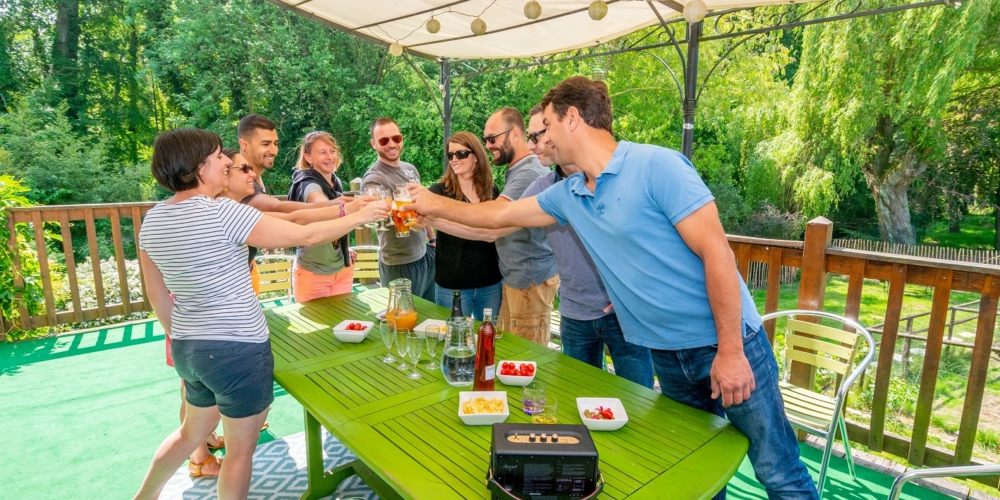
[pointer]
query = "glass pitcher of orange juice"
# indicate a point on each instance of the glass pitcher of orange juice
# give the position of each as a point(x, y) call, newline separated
point(402, 314)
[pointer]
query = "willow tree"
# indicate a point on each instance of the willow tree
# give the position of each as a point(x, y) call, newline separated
point(870, 94)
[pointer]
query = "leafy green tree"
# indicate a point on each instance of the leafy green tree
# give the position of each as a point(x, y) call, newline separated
point(12, 195)
point(870, 95)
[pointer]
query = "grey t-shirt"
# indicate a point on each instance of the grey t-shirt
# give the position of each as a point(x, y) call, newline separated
point(525, 256)
point(325, 258)
point(581, 292)
point(395, 251)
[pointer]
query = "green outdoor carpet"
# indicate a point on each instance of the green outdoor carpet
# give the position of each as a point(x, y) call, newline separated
point(82, 415)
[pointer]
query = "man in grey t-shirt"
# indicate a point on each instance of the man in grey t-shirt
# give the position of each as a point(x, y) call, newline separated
point(410, 257)
point(530, 276)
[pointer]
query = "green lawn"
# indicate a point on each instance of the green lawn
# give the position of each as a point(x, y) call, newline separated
point(977, 232)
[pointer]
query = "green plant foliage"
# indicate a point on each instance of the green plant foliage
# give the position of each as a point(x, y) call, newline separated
point(12, 195)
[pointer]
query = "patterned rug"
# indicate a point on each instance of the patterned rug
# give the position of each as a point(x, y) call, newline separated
point(279, 473)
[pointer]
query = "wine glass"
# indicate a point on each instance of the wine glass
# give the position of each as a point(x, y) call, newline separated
point(387, 337)
point(416, 346)
point(374, 191)
point(386, 196)
point(432, 336)
point(402, 347)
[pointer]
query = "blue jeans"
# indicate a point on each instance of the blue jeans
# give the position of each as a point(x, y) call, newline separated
point(774, 450)
point(585, 340)
point(474, 300)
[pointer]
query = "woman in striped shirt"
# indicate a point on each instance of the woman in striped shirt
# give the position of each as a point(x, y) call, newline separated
point(195, 246)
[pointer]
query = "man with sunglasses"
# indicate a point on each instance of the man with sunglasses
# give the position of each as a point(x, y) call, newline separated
point(411, 257)
point(530, 275)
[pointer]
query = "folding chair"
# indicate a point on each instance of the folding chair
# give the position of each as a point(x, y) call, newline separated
point(830, 349)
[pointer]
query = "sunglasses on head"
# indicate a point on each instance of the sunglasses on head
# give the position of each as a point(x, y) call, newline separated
point(245, 168)
point(460, 154)
point(490, 139)
point(385, 140)
point(533, 136)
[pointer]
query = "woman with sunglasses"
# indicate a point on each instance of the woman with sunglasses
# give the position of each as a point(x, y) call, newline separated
point(193, 250)
point(469, 266)
point(325, 269)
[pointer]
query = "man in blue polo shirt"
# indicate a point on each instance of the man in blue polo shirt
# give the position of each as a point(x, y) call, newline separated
point(652, 228)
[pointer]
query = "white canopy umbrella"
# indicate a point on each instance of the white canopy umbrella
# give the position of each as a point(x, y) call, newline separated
point(563, 24)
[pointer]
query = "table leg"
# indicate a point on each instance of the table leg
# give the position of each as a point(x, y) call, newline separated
point(321, 483)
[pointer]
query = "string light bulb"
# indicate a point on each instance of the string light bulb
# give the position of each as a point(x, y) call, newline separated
point(433, 26)
point(532, 10)
point(478, 26)
point(395, 49)
point(597, 10)
point(694, 11)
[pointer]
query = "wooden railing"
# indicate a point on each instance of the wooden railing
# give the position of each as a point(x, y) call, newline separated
point(816, 258)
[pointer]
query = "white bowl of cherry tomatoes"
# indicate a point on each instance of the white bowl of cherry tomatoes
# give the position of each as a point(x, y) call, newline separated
point(516, 372)
point(352, 331)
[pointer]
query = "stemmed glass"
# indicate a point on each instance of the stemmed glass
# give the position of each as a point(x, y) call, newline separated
point(433, 336)
point(386, 196)
point(402, 347)
point(376, 192)
point(387, 337)
point(416, 346)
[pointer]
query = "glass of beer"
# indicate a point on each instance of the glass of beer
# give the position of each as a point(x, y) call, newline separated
point(402, 219)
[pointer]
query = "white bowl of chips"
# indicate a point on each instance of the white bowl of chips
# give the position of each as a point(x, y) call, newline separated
point(483, 407)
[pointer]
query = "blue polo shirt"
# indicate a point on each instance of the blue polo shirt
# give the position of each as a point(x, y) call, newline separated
point(656, 283)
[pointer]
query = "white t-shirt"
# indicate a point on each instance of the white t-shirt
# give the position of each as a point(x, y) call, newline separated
point(199, 245)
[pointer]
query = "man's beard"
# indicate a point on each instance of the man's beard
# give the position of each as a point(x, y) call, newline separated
point(506, 154)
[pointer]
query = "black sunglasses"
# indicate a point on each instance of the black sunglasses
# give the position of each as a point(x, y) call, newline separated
point(245, 168)
point(385, 140)
point(533, 136)
point(490, 139)
point(461, 154)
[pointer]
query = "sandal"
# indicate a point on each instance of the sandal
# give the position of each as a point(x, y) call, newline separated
point(221, 445)
point(195, 470)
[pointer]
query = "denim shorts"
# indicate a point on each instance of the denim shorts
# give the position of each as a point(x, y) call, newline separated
point(236, 376)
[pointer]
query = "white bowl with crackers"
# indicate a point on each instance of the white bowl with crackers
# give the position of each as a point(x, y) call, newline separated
point(483, 407)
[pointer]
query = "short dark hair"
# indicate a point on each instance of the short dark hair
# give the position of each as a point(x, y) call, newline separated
point(178, 155)
point(513, 118)
point(536, 109)
point(250, 123)
point(230, 152)
point(380, 121)
point(589, 97)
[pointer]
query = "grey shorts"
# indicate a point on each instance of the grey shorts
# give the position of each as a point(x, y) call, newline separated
point(236, 376)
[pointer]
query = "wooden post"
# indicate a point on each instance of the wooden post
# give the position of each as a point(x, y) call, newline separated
point(978, 371)
point(812, 285)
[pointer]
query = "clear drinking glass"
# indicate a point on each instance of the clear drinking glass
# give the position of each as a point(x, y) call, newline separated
point(432, 338)
point(386, 196)
point(416, 346)
point(402, 347)
point(500, 323)
point(533, 397)
point(387, 337)
point(372, 190)
point(547, 415)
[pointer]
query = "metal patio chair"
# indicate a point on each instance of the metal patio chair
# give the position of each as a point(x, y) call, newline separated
point(830, 349)
point(959, 471)
point(366, 267)
point(275, 274)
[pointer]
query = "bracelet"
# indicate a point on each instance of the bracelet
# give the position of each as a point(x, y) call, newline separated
point(342, 213)
point(431, 241)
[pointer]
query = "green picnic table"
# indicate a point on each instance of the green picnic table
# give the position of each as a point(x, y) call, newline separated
point(410, 443)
